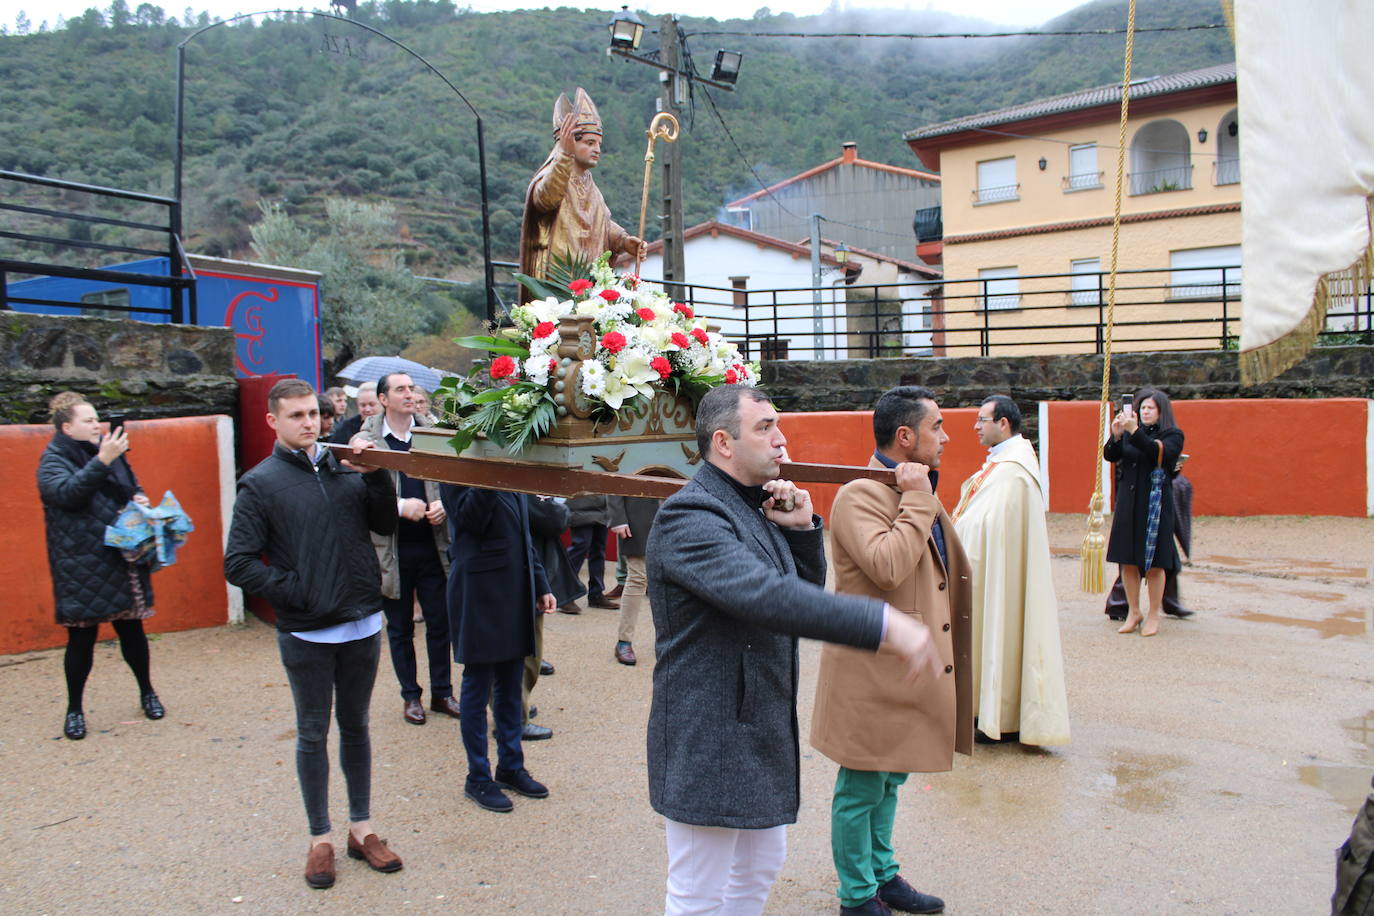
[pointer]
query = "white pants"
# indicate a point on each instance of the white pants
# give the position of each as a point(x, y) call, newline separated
point(721, 870)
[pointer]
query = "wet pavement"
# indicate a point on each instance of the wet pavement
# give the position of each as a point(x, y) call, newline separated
point(1214, 769)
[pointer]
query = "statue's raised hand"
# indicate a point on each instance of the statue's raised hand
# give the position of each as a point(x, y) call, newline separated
point(635, 247)
point(567, 135)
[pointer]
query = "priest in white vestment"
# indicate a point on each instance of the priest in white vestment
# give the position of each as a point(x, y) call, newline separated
point(1018, 668)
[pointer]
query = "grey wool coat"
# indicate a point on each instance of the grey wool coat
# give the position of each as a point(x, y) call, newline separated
point(730, 593)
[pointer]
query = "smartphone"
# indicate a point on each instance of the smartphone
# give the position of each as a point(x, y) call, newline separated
point(1126, 403)
point(116, 422)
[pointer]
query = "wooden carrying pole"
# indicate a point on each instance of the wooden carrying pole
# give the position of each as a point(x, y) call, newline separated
point(664, 126)
point(552, 480)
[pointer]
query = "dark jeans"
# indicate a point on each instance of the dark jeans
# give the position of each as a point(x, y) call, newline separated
point(317, 673)
point(421, 575)
point(499, 682)
point(589, 543)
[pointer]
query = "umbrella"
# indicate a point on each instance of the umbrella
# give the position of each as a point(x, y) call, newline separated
point(371, 368)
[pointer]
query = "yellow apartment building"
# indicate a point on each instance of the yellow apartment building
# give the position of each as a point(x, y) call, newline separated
point(1027, 198)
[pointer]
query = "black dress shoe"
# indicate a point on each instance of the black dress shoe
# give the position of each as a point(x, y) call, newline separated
point(1179, 612)
point(874, 906)
point(413, 712)
point(522, 782)
point(488, 795)
point(532, 732)
point(446, 705)
point(75, 726)
point(152, 706)
point(902, 896)
point(545, 669)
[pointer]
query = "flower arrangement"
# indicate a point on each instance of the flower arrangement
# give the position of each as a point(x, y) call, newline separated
point(644, 343)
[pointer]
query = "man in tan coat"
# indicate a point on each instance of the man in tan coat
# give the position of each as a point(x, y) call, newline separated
point(896, 544)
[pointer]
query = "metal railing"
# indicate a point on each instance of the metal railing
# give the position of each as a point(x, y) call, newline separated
point(1155, 181)
point(996, 194)
point(1226, 171)
point(1194, 308)
point(1082, 181)
point(35, 227)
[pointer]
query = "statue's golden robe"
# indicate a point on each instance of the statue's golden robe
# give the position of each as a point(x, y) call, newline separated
point(564, 214)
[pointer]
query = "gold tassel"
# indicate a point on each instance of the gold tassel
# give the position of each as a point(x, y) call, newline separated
point(1092, 577)
point(1268, 361)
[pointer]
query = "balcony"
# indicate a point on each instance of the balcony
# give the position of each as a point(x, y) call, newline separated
point(1226, 171)
point(1083, 181)
point(928, 224)
point(1156, 181)
point(997, 194)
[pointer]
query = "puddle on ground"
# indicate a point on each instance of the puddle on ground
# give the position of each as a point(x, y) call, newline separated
point(1361, 728)
point(1342, 623)
point(1289, 565)
point(1136, 783)
point(1348, 786)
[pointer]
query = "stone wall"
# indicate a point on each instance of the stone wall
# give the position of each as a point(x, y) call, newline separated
point(135, 368)
point(1328, 372)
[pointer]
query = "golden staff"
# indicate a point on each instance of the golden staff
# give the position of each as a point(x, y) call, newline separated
point(665, 126)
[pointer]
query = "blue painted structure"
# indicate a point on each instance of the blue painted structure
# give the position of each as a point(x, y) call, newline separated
point(274, 311)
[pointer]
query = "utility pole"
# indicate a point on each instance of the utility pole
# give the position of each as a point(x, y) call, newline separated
point(671, 100)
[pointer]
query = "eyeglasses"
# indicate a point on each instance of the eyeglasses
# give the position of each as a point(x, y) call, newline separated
point(981, 420)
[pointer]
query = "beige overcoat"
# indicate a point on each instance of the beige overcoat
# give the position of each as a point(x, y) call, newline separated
point(864, 717)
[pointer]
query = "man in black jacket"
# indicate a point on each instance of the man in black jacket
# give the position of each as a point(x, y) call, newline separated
point(309, 515)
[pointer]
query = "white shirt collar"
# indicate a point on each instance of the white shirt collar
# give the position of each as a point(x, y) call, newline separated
point(388, 431)
point(1002, 446)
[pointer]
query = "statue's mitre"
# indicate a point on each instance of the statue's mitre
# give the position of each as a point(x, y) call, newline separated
point(586, 119)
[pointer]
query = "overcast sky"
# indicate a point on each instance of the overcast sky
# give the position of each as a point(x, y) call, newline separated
point(1005, 12)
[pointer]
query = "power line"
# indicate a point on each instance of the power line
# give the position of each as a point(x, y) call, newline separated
point(733, 142)
point(922, 35)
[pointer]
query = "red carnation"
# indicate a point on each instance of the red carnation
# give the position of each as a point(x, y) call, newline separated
point(613, 340)
point(645, 314)
point(701, 337)
point(661, 365)
point(731, 377)
point(681, 340)
point(553, 364)
point(544, 329)
point(684, 310)
point(609, 295)
point(579, 287)
point(502, 366)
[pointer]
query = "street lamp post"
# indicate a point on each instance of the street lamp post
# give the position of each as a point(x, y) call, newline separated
point(487, 273)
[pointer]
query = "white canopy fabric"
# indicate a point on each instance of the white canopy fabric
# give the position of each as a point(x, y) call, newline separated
point(1306, 96)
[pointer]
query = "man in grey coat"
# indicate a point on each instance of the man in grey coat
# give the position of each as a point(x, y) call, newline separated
point(735, 566)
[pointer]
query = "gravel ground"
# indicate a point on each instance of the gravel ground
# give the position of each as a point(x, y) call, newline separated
point(1213, 770)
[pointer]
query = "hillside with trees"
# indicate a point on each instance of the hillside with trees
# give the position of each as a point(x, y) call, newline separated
point(294, 111)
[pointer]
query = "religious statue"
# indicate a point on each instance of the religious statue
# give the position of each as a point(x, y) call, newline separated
point(565, 213)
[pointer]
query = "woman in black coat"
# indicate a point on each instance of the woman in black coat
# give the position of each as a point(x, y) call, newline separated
point(1143, 438)
point(84, 481)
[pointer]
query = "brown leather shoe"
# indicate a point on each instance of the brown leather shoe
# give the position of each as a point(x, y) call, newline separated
point(375, 852)
point(319, 866)
point(604, 603)
point(414, 713)
point(572, 607)
point(446, 705)
point(616, 592)
point(625, 653)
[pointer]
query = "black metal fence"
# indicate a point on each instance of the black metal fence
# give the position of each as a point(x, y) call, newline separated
point(65, 229)
point(1196, 308)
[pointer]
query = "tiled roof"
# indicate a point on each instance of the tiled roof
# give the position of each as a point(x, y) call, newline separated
point(1085, 98)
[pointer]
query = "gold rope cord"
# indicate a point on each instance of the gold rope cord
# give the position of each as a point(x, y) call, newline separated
point(1092, 578)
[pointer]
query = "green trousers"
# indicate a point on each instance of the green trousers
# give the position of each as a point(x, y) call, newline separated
point(861, 832)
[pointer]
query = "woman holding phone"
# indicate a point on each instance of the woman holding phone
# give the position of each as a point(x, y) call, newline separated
point(1145, 444)
point(84, 481)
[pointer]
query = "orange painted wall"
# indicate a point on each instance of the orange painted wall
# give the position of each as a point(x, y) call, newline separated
point(846, 437)
point(1246, 456)
point(178, 454)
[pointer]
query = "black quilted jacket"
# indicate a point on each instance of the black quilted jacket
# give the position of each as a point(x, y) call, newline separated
point(81, 495)
point(311, 524)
